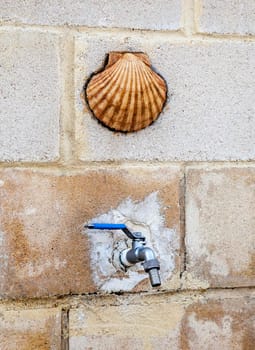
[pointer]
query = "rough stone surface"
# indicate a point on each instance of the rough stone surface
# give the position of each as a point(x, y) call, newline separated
point(159, 14)
point(219, 320)
point(209, 114)
point(32, 329)
point(134, 322)
point(227, 17)
point(42, 248)
point(29, 96)
point(220, 226)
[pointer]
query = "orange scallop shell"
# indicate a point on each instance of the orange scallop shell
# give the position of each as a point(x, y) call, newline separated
point(127, 95)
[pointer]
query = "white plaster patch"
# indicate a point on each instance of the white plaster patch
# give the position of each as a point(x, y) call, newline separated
point(145, 217)
point(1, 183)
point(117, 284)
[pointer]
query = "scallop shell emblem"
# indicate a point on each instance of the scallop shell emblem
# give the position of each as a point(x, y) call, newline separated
point(127, 95)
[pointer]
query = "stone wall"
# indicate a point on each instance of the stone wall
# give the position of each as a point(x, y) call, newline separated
point(187, 182)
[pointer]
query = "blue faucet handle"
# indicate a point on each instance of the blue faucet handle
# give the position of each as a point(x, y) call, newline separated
point(106, 226)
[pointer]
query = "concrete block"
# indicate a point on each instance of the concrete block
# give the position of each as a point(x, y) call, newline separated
point(37, 329)
point(227, 17)
point(30, 96)
point(43, 249)
point(222, 320)
point(156, 15)
point(220, 225)
point(209, 114)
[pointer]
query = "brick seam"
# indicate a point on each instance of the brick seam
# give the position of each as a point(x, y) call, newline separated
point(169, 34)
point(188, 20)
point(65, 329)
point(125, 164)
point(67, 114)
point(183, 227)
point(68, 302)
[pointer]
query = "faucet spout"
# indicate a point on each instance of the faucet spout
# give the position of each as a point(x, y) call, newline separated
point(139, 253)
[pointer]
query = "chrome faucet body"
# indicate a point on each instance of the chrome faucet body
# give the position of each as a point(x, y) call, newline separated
point(138, 253)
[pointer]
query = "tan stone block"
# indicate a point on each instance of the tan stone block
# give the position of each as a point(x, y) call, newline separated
point(132, 322)
point(213, 321)
point(220, 321)
point(42, 248)
point(220, 226)
point(38, 329)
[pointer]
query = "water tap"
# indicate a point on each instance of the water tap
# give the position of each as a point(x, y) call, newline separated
point(138, 253)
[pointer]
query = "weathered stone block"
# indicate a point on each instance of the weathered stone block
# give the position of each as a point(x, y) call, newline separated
point(227, 17)
point(209, 114)
point(136, 322)
point(159, 14)
point(219, 321)
point(32, 329)
point(30, 96)
point(42, 248)
point(222, 320)
point(220, 226)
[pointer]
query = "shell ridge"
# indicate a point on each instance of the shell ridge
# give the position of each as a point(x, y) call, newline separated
point(107, 96)
point(107, 73)
point(116, 97)
point(110, 118)
point(124, 101)
point(154, 94)
point(136, 118)
point(101, 79)
point(150, 99)
point(132, 102)
point(95, 92)
point(142, 100)
point(161, 87)
point(97, 98)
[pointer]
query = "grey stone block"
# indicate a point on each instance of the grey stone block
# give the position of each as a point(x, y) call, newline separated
point(227, 17)
point(210, 112)
point(29, 98)
point(146, 14)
